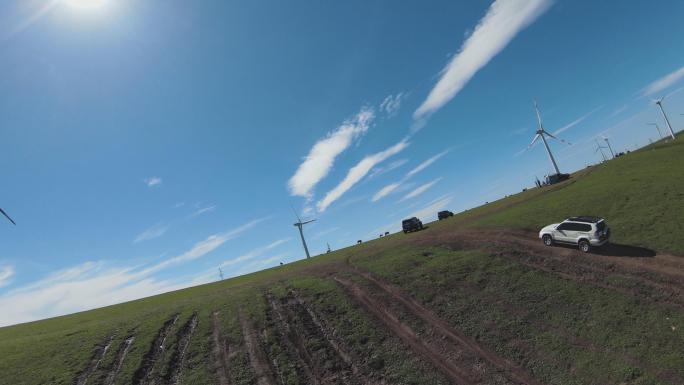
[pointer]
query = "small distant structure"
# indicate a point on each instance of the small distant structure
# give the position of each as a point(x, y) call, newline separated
point(328, 247)
point(358, 242)
point(659, 103)
point(542, 134)
point(300, 225)
point(220, 273)
point(281, 263)
point(386, 233)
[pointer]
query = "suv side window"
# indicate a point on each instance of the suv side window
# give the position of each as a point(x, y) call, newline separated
point(564, 226)
point(584, 228)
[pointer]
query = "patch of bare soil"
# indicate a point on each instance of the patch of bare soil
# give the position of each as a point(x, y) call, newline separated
point(120, 357)
point(178, 358)
point(454, 371)
point(511, 370)
point(317, 326)
point(220, 351)
point(257, 356)
point(94, 363)
point(144, 373)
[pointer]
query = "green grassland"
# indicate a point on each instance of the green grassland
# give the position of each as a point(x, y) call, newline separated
point(562, 331)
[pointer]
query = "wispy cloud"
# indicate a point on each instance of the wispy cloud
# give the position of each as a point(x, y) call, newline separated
point(377, 171)
point(385, 191)
point(203, 210)
point(663, 83)
point(321, 157)
point(617, 111)
point(254, 253)
point(391, 104)
point(6, 272)
point(390, 188)
point(420, 189)
point(153, 232)
point(153, 181)
point(577, 121)
point(93, 284)
point(503, 21)
point(325, 232)
point(357, 173)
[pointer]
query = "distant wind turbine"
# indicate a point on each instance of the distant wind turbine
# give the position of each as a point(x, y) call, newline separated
point(7, 216)
point(300, 225)
point(659, 102)
point(609, 146)
point(542, 133)
point(600, 148)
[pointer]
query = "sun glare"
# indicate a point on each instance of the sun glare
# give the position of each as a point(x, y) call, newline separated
point(85, 4)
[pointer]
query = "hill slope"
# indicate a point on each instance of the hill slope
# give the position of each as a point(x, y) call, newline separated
point(474, 299)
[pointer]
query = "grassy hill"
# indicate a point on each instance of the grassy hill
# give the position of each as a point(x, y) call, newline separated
point(473, 299)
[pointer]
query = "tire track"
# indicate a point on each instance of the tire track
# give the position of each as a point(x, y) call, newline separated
point(178, 358)
point(418, 310)
point(452, 371)
point(220, 351)
point(143, 375)
point(95, 361)
point(257, 357)
point(120, 357)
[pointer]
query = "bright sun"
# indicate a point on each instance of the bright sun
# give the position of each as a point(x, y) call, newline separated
point(85, 4)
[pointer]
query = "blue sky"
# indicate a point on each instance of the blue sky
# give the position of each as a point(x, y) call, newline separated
point(145, 144)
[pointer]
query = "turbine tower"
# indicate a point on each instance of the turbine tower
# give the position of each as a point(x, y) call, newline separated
point(609, 147)
point(659, 102)
point(7, 216)
point(300, 225)
point(657, 128)
point(541, 133)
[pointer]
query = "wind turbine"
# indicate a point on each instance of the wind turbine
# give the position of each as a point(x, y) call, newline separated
point(609, 147)
point(300, 225)
point(659, 102)
point(657, 128)
point(7, 216)
point(220, 273)
point(541, 133)
point(600, 148)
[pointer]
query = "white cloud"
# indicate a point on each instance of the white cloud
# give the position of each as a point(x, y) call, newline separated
point(430, 210)
point(576, 121)
point(321, 157)
point(357, 173)
point(390, 188)
point(663, 83)
point(503, 21)
point(91, 285)
point(153, 181)
point(393, 165)
point(155, 231)
point(420, 189)
point(391, 104)
point(254, 253)
point(203, 210)
point(6, 273)
point(385, 191)
point(426, 164)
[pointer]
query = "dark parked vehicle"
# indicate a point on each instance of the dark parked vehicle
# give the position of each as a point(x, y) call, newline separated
point(411, 224)
point(444, 214)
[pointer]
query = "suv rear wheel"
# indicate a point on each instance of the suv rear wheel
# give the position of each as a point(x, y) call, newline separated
point(548, 241)
point(584, 246)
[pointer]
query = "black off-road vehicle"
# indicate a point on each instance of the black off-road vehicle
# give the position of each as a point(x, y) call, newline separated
point(411, 224)
point(444, 214)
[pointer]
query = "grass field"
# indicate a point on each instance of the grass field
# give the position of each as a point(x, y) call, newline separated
point(473, 299)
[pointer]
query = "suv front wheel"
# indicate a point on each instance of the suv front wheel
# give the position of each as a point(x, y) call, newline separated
point(548, 241)
point(584, 246)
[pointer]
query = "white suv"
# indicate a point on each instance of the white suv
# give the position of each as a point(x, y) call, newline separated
point(585, 232)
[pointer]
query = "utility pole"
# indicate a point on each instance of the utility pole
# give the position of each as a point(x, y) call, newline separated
point(609, 147)
point(657, 128)
point(667, 121)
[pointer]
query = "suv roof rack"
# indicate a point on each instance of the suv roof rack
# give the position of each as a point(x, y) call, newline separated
point(585, 218)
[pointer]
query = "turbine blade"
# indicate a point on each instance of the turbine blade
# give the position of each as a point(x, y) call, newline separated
point(536, 137)
point(313, 220)
point(7, 216)
point(295, 213)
